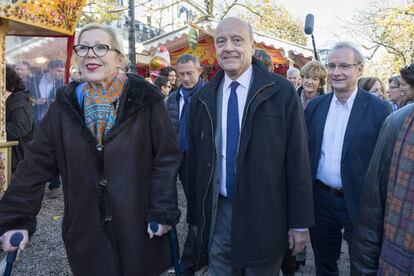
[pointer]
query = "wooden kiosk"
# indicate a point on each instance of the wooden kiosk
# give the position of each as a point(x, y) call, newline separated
point(32, 18)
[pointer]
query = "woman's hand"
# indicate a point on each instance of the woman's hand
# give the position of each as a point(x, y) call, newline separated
point(162, 229)
point(5, 240)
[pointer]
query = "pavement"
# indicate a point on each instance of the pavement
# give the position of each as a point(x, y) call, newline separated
point(46, 254)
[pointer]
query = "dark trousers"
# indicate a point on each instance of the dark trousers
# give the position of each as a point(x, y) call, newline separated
point(189, 256)
point(219, 253)
point(331, 217)
point(54, 183)
point(289, 265)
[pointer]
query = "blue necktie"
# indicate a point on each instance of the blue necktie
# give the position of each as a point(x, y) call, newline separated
point(183, 124)
point(232, 142)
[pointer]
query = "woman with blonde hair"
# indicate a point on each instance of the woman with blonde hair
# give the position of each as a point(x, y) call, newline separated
point(111, 140)
point(313, 76)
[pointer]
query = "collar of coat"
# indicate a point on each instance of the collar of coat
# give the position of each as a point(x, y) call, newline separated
point(261, 78)
point(138, 94)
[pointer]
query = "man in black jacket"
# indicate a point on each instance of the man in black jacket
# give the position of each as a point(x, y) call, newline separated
point(189, 70)
point(247, 143)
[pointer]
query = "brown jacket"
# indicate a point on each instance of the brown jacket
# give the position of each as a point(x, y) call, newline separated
point(137, 168)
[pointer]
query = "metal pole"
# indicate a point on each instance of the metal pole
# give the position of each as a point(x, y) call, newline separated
point(131, 37)
point(314, 48)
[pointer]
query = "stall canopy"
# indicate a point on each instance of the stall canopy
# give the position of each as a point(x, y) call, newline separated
point(283, 53)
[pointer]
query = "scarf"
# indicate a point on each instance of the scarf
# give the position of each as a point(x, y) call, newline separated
point(397, 252)
point(99, 109)
point(183, 124)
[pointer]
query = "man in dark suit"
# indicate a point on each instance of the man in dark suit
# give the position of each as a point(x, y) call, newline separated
point(342, 127)
point(178, 104)
point(43, 88)
point(247, 143)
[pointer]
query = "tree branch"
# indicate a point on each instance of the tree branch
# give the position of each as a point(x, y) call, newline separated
point(236, 3)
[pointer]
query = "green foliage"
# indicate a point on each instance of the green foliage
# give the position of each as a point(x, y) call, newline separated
point(275, 20)
point(99, 11)
point(390, 28)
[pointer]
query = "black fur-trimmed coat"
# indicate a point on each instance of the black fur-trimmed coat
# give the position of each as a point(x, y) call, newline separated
point(137, 165)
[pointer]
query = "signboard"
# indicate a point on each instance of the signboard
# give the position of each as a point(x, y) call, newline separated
point(193, 38)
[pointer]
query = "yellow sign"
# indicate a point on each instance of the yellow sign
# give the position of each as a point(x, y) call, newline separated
point(57, 15)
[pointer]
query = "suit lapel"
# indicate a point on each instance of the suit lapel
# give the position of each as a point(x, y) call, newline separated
point(355, 119)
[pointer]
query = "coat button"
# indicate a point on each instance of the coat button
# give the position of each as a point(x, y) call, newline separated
point(209, 165)
point(99, 147)
point(108, 218)
point(103, 182)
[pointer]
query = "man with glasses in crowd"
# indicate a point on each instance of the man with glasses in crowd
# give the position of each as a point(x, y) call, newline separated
point(343, 127)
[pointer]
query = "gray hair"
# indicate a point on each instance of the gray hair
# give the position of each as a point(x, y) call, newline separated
point(188, 57)
point(359, 58)
point(250, 28)
point(293, 71)
point(116, 39)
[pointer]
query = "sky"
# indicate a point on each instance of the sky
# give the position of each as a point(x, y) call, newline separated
point(329, 17)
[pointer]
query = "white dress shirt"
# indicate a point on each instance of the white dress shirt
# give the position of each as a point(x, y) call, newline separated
point(329, 167)
point(180, 104)
point(45, 86)
point(242, 90)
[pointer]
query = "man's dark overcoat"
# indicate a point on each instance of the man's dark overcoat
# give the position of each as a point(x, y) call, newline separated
point(273, 181)
point(135, 170)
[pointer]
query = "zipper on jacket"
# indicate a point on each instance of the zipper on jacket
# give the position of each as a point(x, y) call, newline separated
point(211, 170)
point(245, 118)
point(212, 133)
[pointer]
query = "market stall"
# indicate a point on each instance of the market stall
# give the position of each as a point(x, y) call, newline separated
point(34, 32)
point(283, 53)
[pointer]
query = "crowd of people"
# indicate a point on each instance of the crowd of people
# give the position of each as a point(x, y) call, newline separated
point(265, 161)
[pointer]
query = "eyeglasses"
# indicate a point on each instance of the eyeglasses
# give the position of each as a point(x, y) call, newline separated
point(99, 50)
point(341, 66)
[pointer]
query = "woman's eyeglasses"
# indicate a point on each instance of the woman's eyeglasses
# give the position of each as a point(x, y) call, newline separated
point(99, 50)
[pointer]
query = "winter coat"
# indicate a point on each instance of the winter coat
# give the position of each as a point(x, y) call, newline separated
point(273, 181)
point(19, 123)
point(368, 232)
point(173, 106)
point(117, 187)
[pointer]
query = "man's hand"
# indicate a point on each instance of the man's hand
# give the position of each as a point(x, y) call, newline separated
point(41, 101)
point(297, 240)
point(5, 240)
point(162, 229)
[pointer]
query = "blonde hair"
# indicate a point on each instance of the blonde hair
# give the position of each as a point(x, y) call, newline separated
point(116, 39)
point(315, 69)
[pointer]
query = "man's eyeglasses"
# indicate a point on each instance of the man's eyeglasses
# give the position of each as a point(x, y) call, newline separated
point(341, 66)
point(99, 50)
